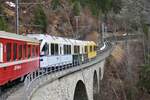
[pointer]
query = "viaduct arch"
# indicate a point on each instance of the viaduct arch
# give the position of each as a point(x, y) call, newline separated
point(80, 91)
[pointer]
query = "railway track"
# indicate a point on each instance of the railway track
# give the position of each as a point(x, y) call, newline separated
point(10, 89)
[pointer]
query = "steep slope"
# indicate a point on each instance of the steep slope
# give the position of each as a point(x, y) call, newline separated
point(122, 72)
point(60, 21)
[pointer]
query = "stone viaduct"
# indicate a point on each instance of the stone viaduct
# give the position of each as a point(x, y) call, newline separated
point(78, 83)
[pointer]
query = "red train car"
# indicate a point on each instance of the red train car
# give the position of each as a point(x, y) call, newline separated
point(19, 55)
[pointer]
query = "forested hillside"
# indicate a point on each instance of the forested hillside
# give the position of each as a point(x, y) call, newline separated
point(75, 18)
point(58, 17)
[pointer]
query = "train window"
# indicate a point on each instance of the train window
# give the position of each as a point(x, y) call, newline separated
point(78, 49)
point(52, 49)
point(25, 51)
point(49, 46)
point(85, 49)
point(33, 52)
point(69, 48)
point(45, 49)
point(20, 51)
point(91, 49)
point(68, 51)
point(82, 50)
point(60, 51)
point(37, 51)
point(8, 51)
point(65, 49)
point(56, 49)
point(94, 48)
point(75, 49)
point(1, 52)
point(29, 51)
point(15, 51)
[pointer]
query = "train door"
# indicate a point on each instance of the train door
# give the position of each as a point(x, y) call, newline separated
point(44, 56)
point(1, 52)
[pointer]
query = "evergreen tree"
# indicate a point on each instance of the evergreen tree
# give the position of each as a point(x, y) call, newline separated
point(40, 18)
point(55, 4)
point(3, 23)
point(145, 78)
point(76, 8)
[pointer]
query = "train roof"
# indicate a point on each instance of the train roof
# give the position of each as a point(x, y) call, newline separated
point(60, 40)
point(14, 36)
point(36, 36)
point(80, 42)
point(65, 40)
point(85, 42)
point(91, 43)
point(54, 39)
point(50, 39)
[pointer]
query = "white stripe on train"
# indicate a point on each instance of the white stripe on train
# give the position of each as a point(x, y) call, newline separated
point(17, 62)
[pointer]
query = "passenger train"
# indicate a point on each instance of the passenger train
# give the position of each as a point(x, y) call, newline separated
point(21, 55)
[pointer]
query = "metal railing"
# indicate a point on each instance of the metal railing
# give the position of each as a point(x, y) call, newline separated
point(36, 79)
